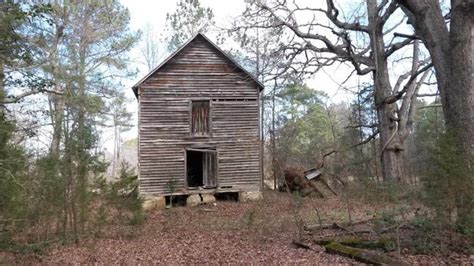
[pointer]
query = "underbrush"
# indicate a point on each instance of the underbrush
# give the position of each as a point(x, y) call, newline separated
point(114, 210)
point(117, 205)
point(418, 226)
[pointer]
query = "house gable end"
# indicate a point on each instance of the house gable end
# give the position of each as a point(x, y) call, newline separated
point(198, 57)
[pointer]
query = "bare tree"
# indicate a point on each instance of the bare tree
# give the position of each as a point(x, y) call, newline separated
point(150, 48)
point(325, 39)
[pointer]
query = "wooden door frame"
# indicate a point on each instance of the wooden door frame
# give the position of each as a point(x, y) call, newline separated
point(203, 150)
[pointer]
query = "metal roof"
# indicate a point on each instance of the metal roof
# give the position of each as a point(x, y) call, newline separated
point(135, 87)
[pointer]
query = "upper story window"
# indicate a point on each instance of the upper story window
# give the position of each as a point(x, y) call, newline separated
point(200, 118)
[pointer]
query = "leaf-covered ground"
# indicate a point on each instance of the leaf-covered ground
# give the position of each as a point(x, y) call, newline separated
point(230, 232)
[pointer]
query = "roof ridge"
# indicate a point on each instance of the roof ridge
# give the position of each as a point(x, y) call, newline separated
point(199, 33)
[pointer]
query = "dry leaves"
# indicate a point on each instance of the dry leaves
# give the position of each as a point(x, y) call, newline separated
point(257, 232)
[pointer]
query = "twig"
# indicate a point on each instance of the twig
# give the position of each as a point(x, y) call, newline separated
point(398, 240)
point(337, 226)
point(300, 244)
point(317, 214)
point(207, 210)
point(297, 218)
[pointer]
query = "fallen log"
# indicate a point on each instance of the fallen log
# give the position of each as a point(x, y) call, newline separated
point(384, 244)
point(316, 227)
point(361, 254)
point(319, 227)
point(338, 234)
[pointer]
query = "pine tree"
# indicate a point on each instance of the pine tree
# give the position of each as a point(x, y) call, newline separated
point(188, 19)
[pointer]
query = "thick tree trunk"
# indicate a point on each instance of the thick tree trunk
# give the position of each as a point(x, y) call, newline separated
point(459, 102)
point(389, 150)
point(459, 90)
point(452, 54)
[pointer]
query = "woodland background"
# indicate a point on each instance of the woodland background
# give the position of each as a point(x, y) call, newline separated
point(404, 133)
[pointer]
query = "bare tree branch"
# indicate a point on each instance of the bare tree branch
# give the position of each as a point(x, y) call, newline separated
point(15, 99)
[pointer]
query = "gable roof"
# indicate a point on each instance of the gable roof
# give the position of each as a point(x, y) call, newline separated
point(220, 51)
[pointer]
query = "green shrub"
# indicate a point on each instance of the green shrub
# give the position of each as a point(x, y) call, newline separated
point(448, 186)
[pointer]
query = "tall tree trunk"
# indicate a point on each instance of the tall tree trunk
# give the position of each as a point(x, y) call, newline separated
point(83, 139)
point(2, 88)
point(273, 140)
point(459, 101)
point(407, 110)
point(388, 147)
point(58, 101)
point(459, 91)
point(58, 114)
point(452, 54)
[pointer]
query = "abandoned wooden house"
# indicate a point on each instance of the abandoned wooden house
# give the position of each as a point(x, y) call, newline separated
point(199, 124)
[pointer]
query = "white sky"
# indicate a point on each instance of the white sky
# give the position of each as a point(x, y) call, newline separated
point(153, 13)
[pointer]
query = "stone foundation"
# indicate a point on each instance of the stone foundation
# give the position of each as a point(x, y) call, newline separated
point(193, 200)
point(246, 196)
point(208, 198)
point(159, 202)
point(153, 203)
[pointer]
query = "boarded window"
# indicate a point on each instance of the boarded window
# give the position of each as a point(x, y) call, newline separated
point(200, 121)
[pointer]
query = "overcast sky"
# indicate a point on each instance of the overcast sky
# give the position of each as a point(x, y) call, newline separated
point(153, 13)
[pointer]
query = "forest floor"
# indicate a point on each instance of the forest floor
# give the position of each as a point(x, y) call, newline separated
point(228, 232)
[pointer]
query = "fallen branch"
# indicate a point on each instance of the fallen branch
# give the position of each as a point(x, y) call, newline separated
point(361, 254)
point(207, 210)
point(327, 185)
point(300, 244)
point(316, 227)
point(384, 244)
point(358, 232)
point(337, 226)
point(404, 226)
point(315, 188)
point(319, 227)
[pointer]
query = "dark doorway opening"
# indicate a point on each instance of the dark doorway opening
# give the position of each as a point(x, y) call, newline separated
point(201, 168)
point(194, 166)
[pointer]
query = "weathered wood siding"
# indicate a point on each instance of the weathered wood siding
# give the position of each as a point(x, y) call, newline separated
point(197, 72)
